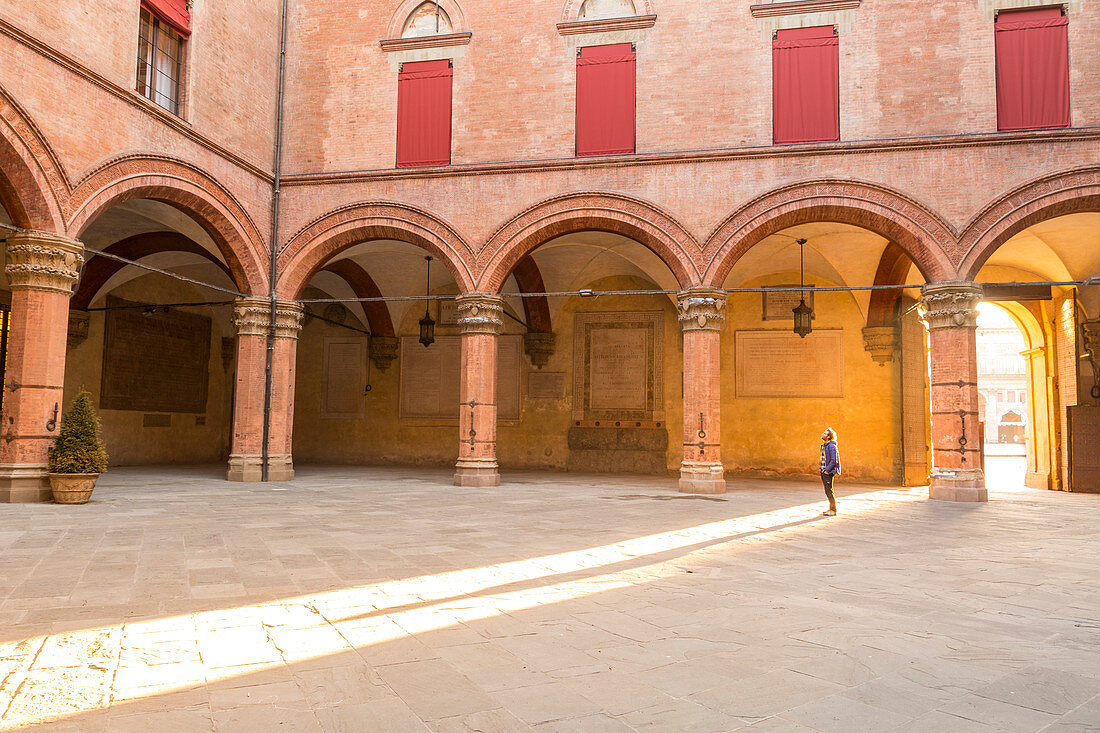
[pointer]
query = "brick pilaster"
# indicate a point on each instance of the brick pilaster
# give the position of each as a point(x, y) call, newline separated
point(43, 269)
point(949, 310)
point(481, 318)
point(252, 317)
point(701, 313)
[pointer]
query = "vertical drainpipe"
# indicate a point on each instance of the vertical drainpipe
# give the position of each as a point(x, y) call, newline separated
point(272, 270)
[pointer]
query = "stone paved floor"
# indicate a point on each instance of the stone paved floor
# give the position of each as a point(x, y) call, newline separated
point(388, 600)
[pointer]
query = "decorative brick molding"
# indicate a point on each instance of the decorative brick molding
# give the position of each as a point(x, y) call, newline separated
point(606, 25)
point(32, 179)
point(950, 304)
point(442, 40)
point(43, 261)
point(480, 313)
point(539, 347)
point(701, 309)
point(1045, 198)
point(320, 240)
point(185, 187)
point(797, 7)
point(383, 351)
point(630, 217)
point(252, 317)
point(888, 213)
point(881, 342)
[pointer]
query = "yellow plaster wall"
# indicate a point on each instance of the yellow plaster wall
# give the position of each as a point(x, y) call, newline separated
point(782, 435)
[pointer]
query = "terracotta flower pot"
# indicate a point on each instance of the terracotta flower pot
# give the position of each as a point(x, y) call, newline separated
point(72, 488)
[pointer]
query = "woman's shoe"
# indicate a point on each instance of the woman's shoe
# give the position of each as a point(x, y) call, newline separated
point(830, 513)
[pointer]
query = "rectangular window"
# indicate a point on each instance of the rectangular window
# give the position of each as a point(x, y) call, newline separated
point(424, 113)
point(606, 78)
point(806, 85)
point(1032, 49)
point(160, 52)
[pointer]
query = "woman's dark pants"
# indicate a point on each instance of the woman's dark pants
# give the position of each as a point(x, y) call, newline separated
point(827, 481)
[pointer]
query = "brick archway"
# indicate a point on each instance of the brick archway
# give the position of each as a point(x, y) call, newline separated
point(186, 188)
point(629, 217)
point(318, 242)
point(919, 232)
point(32, 180)
point(1071, 192)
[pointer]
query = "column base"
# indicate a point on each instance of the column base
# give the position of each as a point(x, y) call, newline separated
point(20, 483)
point(478, 472)
point(702, 478)
point(249, 468)
point(962, 485)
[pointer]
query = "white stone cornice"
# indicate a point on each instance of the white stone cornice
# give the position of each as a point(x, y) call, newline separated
point(701, 309)
point(43, 261)
point(252, 317)
point(480, 313)
point(950, 304)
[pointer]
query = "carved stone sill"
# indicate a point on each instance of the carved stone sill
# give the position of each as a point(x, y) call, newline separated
point(634, 22)
point(437, 41)
point(796, 7)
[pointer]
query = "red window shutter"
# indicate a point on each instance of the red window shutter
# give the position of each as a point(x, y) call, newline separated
point(1032, 48)
point(424, 113)
point(171, 12)
point(806, 85)
point(606, 77)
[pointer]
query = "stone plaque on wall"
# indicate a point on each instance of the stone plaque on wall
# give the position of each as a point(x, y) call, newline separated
point(779, 305)
point(618, 366)
point(430, 378)
point(780, 364)
point(546, 385)
point(154, 362)
point(344, 373)
point(448, 312)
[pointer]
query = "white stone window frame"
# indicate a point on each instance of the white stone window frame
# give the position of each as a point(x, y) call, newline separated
point(990, 8)
point(773, 17)
point(450, 46)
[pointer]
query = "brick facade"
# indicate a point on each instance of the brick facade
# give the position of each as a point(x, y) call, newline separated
point(919, 162)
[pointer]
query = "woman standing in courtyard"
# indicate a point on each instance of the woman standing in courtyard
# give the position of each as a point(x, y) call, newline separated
point(830, 467)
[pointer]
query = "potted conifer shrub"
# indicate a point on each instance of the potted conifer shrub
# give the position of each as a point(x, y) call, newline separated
point(77, 456)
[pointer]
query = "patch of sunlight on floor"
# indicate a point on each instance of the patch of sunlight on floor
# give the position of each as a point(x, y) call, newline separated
point(73, 672)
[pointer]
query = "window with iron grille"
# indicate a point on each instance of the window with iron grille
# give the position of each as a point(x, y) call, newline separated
point(160, 61)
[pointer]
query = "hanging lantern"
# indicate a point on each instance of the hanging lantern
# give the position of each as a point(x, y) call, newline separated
point(803, 319)
point(427, 325)
point(803, 314)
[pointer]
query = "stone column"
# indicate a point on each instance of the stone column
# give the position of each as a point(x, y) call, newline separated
point(43, 269)
point(950, 311)
point(702, 311)
point(881, 342)
point(480, 318)
point(252, 317)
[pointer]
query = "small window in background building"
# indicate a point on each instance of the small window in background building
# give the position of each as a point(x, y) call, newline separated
point(424, 113)
point(1032, 50)
point(165, 25)
point(806, 85)
point(427, 20)
point(606, 79)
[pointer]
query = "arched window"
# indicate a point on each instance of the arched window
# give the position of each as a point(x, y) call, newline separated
point(595, 9)
point(427, 20)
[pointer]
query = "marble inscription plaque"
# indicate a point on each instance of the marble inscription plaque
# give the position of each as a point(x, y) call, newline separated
point(618, 366)
point(780, 364)
point(345, 377)
point(158, 362)
point(546, 385)
point(780, 305)
point(448, 313)
point(430, 378)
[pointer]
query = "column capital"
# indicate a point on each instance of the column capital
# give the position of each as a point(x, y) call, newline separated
point(701, 309)
point(881, 342)
point(950, 304)
point(480, 313)
point(43, 261)
point(252, 317)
